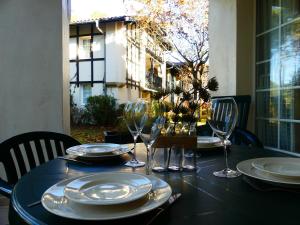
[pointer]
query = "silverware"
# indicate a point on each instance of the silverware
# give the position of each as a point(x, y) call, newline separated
point(170, 202)
point(34, 203)
point(73, 160)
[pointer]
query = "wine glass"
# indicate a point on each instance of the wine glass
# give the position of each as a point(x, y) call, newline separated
point(151, 122)
point(129, 115)
point(222, 119)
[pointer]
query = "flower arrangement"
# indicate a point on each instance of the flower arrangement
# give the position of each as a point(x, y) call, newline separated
point(189, 100)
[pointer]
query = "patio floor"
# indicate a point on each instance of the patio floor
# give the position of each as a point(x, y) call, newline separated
point(4, 202)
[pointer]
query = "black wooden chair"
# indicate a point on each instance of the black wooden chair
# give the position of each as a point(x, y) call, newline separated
point(240, 135)
point(24, 152)
point(244, 137)
point(243, 103)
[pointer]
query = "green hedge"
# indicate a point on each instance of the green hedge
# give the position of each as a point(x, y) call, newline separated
point(102, 110)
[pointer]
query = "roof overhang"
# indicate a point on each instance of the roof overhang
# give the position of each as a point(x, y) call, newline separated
point(126, 19)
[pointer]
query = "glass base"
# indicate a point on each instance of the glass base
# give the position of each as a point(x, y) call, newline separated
point(189, 168)
point(189, 155)
point(135, 163)
point(174, 168)
point(159, 169)
point(228, 173)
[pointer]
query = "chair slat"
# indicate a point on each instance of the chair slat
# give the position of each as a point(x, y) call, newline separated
point(19, 159)
point(59, 150)
point(30, 156)
point(39, 151)
point(49, 149)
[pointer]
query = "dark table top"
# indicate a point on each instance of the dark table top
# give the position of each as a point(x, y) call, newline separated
point(205, 199)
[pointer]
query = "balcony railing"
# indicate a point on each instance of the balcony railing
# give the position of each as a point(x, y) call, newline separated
point(153, 82)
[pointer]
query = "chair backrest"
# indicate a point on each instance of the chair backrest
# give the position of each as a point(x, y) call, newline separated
point(243, 103)
point(24, 152)
point(245, 137)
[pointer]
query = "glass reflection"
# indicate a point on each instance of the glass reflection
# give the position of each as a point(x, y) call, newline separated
point(267, 131)
point(290, 39)
point(267, 46)
point(288, 136)
point(268, 104)
point(268, 12)
point(290, 105)
point(290, 10)
point(267, 74)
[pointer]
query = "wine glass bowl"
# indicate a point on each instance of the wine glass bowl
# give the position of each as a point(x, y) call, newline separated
point(222, 118)
point(129, 118)
point(152, 123)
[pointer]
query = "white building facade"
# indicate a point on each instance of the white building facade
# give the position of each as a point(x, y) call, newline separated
point(113, 57)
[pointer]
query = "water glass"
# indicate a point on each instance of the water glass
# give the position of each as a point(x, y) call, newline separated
point(160, 159)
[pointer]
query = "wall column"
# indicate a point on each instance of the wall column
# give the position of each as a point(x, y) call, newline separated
point(34, 66)
point(232, 48)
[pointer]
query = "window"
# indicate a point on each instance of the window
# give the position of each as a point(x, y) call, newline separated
point(84, 47)
point(278, 73)
point(87, 54)
point(86, 93)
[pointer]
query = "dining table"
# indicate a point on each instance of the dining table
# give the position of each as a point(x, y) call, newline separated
point(205, 199)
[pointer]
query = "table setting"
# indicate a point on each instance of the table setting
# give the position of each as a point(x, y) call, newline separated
point(106, 196)
point(276, 171)
point(133, 183)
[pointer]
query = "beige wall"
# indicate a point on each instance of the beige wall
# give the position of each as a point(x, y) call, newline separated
point(34, 91)
point(222, 44)
point(124, 94)
point(232, 48)
point(115, 52)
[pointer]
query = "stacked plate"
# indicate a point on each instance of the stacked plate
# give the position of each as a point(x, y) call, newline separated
point(277, 170)
point(98, 150)
point(209, 142)
point(106, 196)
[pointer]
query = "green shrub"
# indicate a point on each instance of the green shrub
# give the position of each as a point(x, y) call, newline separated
point(78, 116)
point(102, 109)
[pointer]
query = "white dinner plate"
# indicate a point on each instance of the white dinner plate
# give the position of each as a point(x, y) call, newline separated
point(279, 166)
point(54, 201)
point(209, 142)
point(94, 150)
point(108, 188)
point(246, 168)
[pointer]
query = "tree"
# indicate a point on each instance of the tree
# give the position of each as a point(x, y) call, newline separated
point(182, 27)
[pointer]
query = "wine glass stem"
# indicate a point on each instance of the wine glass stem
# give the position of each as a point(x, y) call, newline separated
point(225, 154)
point(149, 161)
point(135, 137)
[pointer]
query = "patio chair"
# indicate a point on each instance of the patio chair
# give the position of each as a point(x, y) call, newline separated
point(244, 137)
point(240, 135)
point(24, 152)
point(243, 103)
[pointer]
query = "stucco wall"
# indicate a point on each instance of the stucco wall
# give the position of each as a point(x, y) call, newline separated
point(222, 44)
point(34, 91)
point(115, 52)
